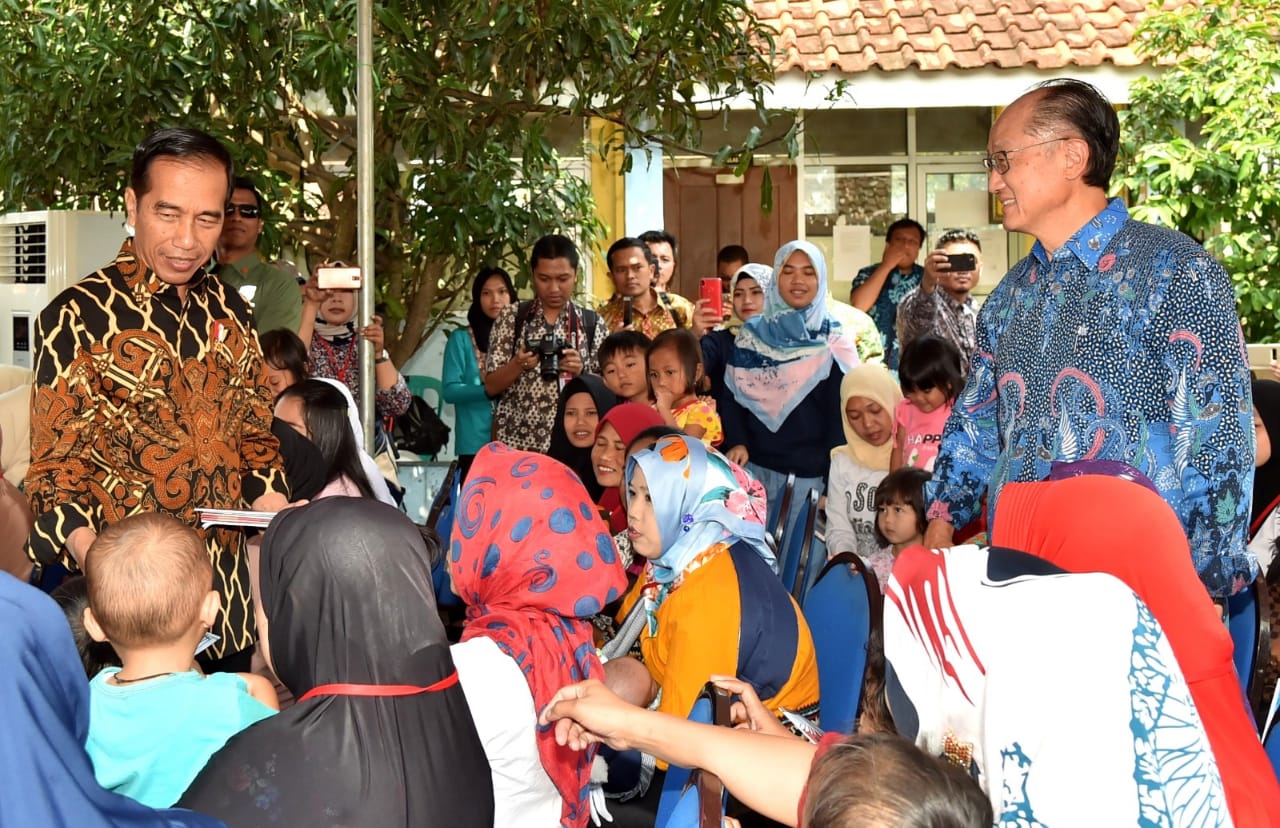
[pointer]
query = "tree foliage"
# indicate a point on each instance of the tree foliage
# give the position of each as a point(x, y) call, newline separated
point(1202, 149)
point(469, 95)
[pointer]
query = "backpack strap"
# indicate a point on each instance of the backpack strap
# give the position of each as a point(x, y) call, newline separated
point(676, 316)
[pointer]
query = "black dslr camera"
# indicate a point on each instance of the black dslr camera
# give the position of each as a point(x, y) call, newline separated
point(549, 349)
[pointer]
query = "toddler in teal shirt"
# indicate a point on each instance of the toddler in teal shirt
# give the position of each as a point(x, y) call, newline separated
point(155, 721)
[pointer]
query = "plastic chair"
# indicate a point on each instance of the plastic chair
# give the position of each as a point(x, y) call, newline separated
point(784, 505)
point(843, 609)
point(796, 556)
point(440, 518)
point(419, 385)
point(696, 798)
point(1249, 621)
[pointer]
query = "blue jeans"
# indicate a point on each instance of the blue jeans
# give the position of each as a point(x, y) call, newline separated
point(774, 483)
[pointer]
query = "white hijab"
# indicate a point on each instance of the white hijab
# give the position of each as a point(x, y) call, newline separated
point(377, 482)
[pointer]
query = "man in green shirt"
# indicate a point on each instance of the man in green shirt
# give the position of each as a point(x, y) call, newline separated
point(271, 291)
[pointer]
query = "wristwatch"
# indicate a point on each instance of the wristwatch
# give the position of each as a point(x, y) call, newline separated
point(381, 358)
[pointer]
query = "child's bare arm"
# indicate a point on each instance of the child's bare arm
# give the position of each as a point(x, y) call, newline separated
point(261, 689)
point(895, 457)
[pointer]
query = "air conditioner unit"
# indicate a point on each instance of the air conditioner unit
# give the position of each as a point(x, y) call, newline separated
point(41, 253)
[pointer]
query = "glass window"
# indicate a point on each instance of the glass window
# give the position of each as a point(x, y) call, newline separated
point(837, 132)
point(961, 129)
point(868, 194)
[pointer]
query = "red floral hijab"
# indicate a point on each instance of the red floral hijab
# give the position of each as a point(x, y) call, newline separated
point(533, 561)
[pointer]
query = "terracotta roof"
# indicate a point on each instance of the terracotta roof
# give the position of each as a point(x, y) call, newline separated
point(820, 35)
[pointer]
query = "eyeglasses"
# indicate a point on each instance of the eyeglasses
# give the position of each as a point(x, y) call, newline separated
point(998, 161)
point(249, 211)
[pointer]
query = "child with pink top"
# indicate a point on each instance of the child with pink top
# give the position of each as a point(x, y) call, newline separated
point(931, 376)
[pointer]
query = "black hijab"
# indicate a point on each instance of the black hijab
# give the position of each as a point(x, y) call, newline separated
point(481, 325)
point(346, 589)
point(305, 468)
point(579, 459)
point(1266, 478)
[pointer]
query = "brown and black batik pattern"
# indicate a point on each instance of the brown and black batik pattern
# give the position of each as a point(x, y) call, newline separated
point(143, 402)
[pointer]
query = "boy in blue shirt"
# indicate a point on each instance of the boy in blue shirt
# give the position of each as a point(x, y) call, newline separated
point(156, 720)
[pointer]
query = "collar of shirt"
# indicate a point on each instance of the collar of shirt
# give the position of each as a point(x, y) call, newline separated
point(1089, 241)
point(143, 281)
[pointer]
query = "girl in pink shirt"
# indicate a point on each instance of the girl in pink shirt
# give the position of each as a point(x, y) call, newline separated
point(931, 377)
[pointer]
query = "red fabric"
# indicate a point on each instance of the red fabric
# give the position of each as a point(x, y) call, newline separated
point(628, 419)
point(533, 561)
point(380, 689)
point(1106, 524)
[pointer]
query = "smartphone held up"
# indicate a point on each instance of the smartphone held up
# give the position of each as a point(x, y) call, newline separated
point(338, 277)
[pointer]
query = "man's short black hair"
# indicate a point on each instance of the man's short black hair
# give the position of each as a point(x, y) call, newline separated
point(242, 183)
point(626, 243)
point(181, 143)
point(959, 234)
point(1075, 106)
point(733, 253)
point(657, 237)
point(905, 222)
point(554, 246)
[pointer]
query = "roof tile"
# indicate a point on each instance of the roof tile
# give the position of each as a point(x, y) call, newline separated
point(932, 35)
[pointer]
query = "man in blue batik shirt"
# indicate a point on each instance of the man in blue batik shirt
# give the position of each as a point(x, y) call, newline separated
point(1113, 340)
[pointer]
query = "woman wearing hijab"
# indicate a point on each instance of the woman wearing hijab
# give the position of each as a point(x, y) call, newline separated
point(1096, 522)
point(381, 734)
point(333, 347)
point(463, 373)
point(583, 401)
point(48, 778)
point(868, 397)
point(781, 412)
point(711, 599)
point(533, 562)
point(617, 429)
point(1264, 517)
point(747, 290)
point(1061, 723)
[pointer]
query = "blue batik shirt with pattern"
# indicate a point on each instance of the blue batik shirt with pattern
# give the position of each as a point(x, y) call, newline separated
point(884, 311)
point(1125, 345)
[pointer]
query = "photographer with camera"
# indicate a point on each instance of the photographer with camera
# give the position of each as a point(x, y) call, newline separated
point(955, 267)
point(538, 344)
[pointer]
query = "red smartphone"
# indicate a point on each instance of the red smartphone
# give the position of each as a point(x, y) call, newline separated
point(709, 290)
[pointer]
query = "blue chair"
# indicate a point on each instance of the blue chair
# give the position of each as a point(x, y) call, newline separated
point(440, 518)
point(843, 609)
point(779, 527)
point(1249, 622)
point(794, 558)
point(696, 798)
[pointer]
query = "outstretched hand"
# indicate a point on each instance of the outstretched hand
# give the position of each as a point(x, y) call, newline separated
point(588, 713)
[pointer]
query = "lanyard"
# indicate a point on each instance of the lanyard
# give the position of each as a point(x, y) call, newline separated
point(380, 689)
point(340, 370)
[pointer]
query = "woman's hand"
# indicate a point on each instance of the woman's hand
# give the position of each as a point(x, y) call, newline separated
point(738, 454)
point(749, 713)
point(375, 334)
point(589, 713)
point(311, 292)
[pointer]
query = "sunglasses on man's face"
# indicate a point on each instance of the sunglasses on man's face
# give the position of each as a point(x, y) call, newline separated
point(248, 211)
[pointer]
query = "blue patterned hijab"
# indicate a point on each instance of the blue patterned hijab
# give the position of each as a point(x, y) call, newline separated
point(783, 353)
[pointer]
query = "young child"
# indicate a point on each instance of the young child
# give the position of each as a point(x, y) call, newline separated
point(622, 365)
point(155, 721)
point(675, 368)
point(900, 520)
point(931, 377)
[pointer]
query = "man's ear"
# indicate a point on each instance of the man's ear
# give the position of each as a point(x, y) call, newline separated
point(92, 627)
point(1076, 154)
point(130, 207)
point(209, 609)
